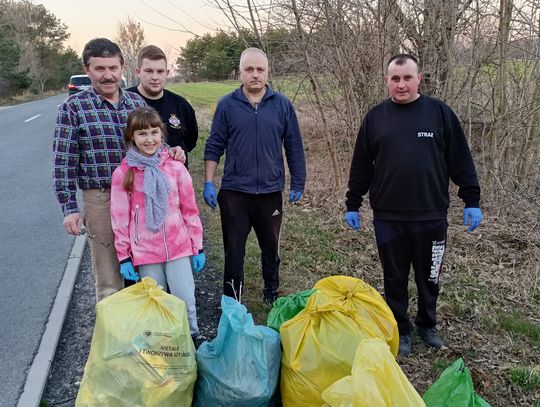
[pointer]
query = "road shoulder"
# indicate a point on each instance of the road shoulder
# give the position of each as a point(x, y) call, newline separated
point(39, 371)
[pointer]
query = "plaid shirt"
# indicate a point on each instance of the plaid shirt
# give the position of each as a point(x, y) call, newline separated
point(88, 143)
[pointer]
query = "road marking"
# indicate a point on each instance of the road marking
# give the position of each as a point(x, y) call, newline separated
point(32, 118)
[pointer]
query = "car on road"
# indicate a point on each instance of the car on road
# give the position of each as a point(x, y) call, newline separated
point(78, 83)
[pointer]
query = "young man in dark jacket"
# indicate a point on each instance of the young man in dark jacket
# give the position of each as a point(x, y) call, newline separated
point(175, 111)
point(251, 125)
point(408, 148)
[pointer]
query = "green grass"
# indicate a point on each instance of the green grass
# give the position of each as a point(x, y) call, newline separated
point(526, 378)
point(516, 324)
point(439, 365)
point(294, 88)
point(203, 94)
point(207, 94)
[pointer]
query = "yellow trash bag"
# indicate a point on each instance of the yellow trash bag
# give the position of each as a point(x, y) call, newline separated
point(374, 314)
point(318, 348)
point(142, 354)
point(376, 381)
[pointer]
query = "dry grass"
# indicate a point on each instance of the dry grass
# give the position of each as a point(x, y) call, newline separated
point(27, 96)
point(489, 302)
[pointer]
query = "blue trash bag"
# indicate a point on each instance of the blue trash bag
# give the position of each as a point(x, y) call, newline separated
point(240, 367)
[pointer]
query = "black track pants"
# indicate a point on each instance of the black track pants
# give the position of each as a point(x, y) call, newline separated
point(239, 213)
point(421, 244)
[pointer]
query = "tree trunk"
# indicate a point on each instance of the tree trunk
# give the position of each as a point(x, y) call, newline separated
point(327, 134)
point(499, 135)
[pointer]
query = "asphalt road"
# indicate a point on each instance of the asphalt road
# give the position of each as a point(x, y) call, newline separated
point(33, 245)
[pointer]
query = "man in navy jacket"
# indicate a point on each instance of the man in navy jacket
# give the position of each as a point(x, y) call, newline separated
point(252, 125)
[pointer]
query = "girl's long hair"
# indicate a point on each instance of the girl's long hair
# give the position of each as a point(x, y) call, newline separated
point(140, 119)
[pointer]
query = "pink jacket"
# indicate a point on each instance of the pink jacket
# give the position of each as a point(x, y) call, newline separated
point(181, 233)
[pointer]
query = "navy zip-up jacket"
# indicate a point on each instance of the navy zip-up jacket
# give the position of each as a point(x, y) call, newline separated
point(252, 138)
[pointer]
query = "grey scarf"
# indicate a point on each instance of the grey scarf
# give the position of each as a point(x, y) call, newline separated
point(156, 187)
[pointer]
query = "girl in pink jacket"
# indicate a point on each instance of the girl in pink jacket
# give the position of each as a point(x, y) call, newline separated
point(154, 214)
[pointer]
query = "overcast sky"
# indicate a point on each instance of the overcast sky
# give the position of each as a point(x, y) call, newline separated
point(99, 18)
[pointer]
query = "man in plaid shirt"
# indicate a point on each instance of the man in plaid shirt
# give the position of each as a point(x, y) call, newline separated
point(88, 146)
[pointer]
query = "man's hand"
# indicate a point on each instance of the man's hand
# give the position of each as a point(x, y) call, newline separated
point(209, 194)
point(472, 217)
point(353, 219)
point(295, 196)
point(177, 154)
point(128, 272)
point(73, 223)
point(198, 262)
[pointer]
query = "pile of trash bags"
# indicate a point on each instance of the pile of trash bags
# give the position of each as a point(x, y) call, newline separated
point(320, 342)
point(332, 346)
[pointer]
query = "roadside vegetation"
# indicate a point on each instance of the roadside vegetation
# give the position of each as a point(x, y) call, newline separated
point(489, 303)
point(33, 58)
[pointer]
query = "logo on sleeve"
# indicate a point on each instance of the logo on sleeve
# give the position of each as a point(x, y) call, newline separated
point(174, 121)
point(425, 134)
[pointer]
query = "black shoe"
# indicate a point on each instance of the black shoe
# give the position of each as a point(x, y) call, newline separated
point(430, 336)
point(405, 345)
point(269, 297)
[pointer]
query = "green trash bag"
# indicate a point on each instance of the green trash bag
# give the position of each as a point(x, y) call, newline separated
point(286, 308)
point(454, 388)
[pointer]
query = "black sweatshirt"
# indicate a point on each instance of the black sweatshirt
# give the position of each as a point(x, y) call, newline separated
point(178, 117)
point(405, 155)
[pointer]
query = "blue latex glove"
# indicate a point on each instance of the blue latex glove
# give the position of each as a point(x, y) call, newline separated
point(128, 272)
point(353, 220)
point(473, 217)
point(198, 262)
point(209, 194)
point(295, 196)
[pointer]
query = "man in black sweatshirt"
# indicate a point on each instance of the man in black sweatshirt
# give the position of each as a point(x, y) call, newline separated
point(407, 150)
point(175, 111)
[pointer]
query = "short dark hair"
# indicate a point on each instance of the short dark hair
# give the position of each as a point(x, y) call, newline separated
point(400, 59)
point(101, 48)
point(150, 52)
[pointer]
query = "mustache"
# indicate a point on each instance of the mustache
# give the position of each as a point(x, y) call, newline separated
point(107, 82)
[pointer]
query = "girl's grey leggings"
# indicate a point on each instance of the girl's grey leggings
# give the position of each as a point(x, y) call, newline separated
point(176, 275)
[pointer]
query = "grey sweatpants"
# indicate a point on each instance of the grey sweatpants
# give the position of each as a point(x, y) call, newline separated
point(176, 275)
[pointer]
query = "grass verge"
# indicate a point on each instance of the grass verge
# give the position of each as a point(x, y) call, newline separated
point(526, 378)
point(203, 94)
point(516, 324)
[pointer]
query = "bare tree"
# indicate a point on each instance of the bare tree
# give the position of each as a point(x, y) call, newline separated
point(130, 38)
point(481, 56)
